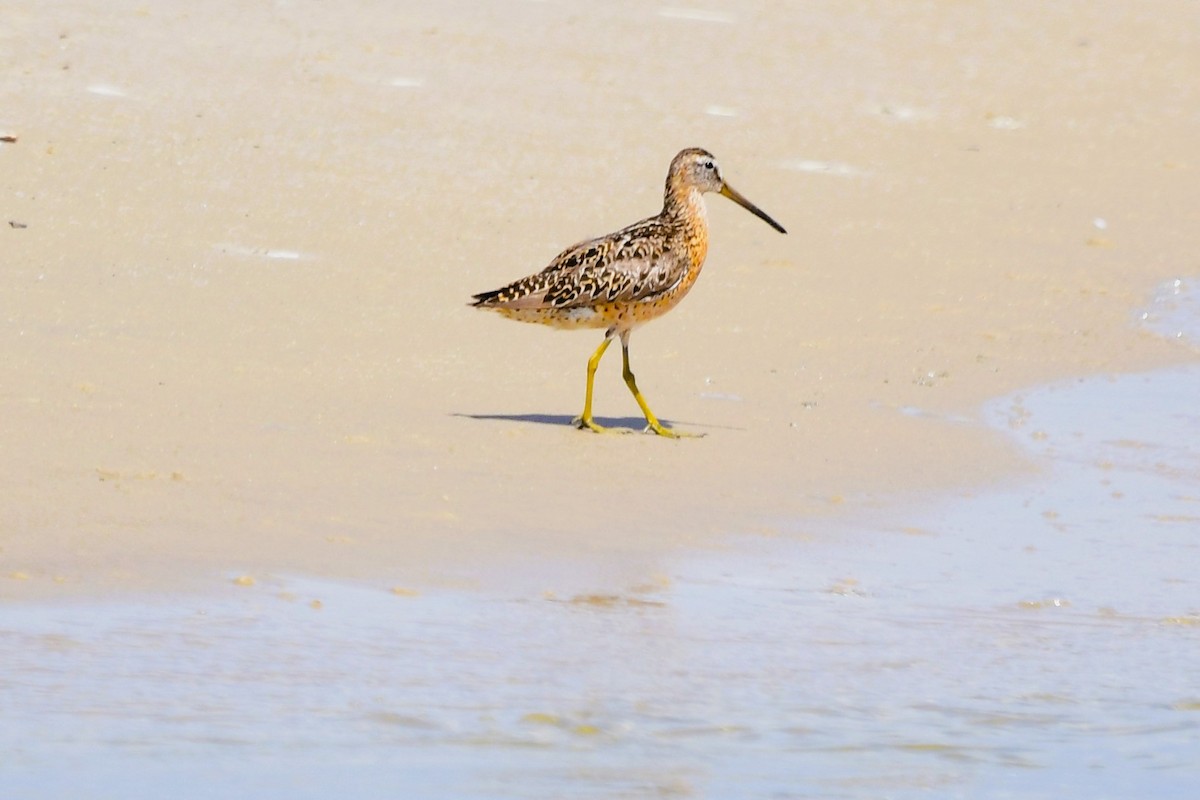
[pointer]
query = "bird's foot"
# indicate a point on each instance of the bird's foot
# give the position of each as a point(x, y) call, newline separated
point(657, 427)
point(587, 423)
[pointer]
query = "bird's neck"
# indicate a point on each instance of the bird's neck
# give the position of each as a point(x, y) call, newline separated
point(683, 206)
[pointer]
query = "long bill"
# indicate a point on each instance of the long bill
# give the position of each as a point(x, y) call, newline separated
point(728, 191)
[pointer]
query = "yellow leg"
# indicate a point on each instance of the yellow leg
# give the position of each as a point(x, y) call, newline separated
point(585, 420)
point(652, 422)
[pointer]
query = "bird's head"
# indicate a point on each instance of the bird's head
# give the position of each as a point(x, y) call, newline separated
point(696, 168)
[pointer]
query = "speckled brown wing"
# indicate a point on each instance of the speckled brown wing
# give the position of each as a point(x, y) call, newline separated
point(627, 266)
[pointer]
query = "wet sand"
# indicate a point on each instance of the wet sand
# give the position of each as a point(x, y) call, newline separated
point(237, 248)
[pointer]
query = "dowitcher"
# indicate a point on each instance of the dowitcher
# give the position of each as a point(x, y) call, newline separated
point(624, 279)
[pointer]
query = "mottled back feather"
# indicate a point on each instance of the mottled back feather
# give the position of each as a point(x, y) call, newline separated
point(635, 263)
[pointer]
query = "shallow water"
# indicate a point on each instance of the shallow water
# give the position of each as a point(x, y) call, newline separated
point(1174, 309)
point(1036, 640)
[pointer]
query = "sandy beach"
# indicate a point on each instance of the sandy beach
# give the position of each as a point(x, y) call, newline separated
point(282, 516)
point(238, 245)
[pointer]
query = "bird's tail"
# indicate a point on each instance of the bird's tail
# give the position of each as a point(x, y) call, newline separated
point(485, 299)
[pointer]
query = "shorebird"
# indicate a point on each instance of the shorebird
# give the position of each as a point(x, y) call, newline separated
point(624, 279)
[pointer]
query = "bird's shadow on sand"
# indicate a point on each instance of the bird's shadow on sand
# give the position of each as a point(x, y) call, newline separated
point(633, 424)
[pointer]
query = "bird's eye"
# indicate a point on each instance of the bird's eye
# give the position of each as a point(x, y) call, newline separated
point(709, 165)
